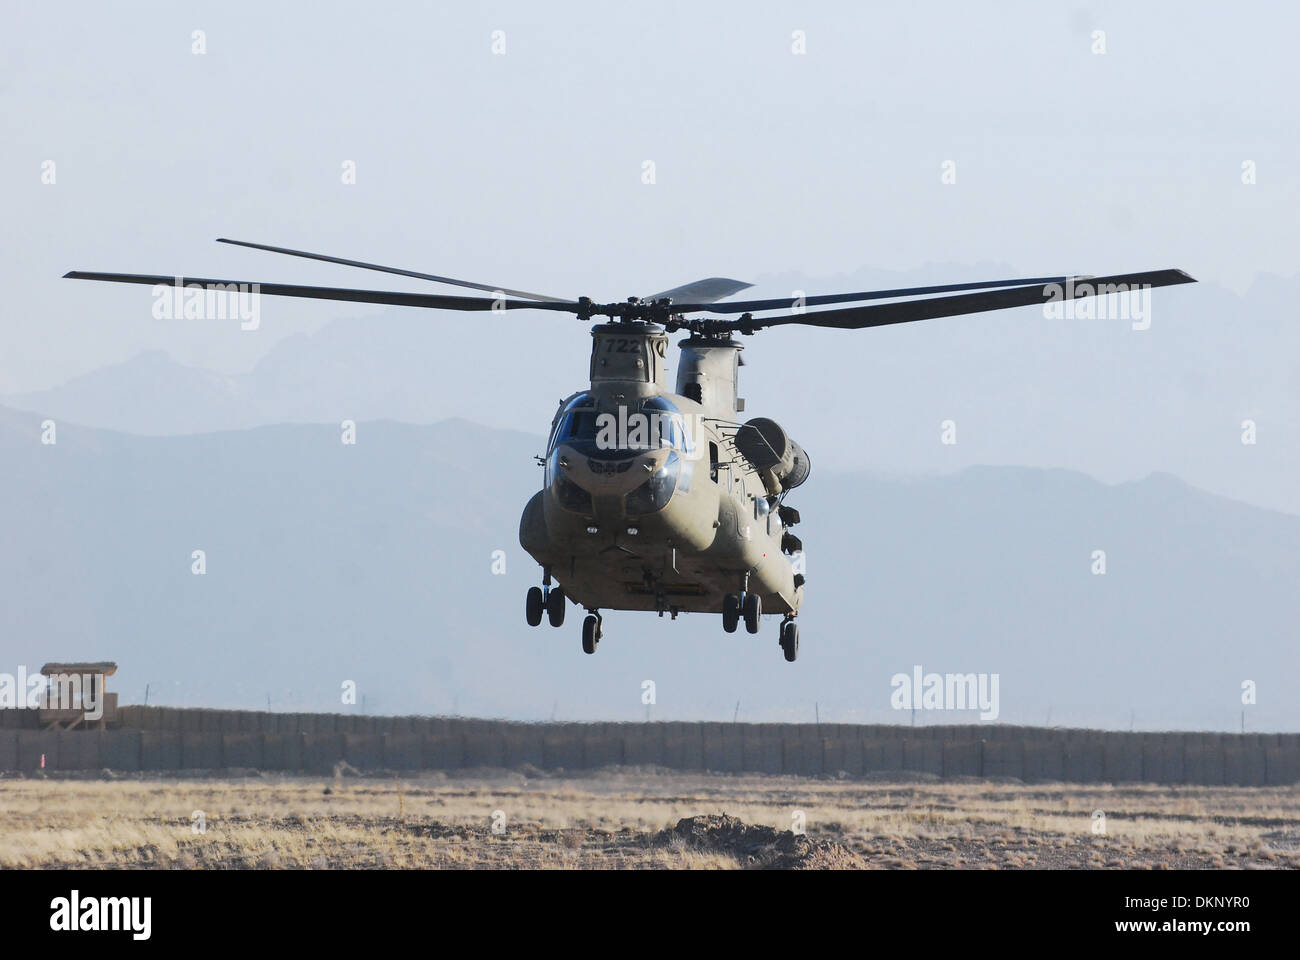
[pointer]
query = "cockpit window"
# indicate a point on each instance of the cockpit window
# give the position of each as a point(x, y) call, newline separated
point(577, 421)
point(672, 429)
point(577, 425)
point(656, 425)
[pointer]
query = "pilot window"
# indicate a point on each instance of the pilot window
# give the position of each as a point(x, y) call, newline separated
point(713, 461)
point(576, 425)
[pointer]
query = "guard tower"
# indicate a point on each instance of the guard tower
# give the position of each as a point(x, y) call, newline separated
point(64, 703)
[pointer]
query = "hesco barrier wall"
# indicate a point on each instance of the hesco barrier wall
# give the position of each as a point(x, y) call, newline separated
point(176, 740)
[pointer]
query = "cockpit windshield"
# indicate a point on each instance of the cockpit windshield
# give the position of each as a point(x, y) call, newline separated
point(656, 425)
point(672, 429)
point(576, 424)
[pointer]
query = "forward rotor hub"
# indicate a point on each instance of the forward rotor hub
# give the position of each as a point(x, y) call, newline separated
point(661, 311)
point(632, 310)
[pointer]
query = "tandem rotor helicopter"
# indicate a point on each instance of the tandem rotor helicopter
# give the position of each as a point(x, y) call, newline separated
point(659, 499)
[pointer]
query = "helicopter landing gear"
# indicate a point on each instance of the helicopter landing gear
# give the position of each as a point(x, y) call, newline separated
point(555, 606)
point(790, 639)
point(545, 600)
point(730, 612)
point(753, 612)
point(536, 604)
point(592, 631)
point(737, 605)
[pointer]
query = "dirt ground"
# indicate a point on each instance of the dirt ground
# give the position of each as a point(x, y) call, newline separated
point(636, 819)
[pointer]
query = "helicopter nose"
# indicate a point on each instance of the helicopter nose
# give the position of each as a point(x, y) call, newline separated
point(609, 476)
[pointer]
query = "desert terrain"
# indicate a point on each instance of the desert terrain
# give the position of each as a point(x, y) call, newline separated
point(635, 819)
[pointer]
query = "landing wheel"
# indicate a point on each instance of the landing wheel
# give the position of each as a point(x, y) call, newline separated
point(536, 604)
point(790, 640)
point(753, 612)
point(591, 633)
point(730, 612)
point(555, 606)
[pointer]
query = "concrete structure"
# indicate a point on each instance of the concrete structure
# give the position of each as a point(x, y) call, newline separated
point(69, 700)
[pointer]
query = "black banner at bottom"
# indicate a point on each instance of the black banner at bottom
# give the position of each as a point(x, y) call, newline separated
point(361, 908)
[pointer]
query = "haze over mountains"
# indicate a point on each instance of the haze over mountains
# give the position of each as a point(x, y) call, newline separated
point(373, 563)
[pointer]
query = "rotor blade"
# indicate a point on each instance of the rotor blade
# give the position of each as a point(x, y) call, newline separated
point(396, 270)
point(704, 291)
point(435, 301)
point(788, 303)
point(879, 315)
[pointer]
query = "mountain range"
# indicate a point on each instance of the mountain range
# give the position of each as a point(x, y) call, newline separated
point(376, 563)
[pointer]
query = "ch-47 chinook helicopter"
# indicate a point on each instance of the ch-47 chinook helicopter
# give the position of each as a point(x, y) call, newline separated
point(657, 498)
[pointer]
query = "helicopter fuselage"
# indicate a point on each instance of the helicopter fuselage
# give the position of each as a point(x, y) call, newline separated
point(647, 503)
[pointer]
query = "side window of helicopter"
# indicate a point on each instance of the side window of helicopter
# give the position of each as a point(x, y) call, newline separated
point(713, 461)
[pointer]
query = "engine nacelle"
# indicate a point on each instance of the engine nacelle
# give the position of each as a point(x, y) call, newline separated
point(780, 461)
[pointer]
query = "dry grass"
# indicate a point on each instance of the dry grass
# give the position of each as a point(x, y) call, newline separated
point(609, 819)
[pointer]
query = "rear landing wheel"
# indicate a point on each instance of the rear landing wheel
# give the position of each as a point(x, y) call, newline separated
point(790, 640)
point(535, 605)
point(555, 606)
point(730, 612)
point(591, 633)
point(753, 612)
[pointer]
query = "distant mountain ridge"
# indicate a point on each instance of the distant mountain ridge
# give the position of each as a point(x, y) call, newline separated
point(373, 563)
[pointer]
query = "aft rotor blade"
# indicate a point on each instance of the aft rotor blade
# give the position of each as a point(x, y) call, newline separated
point(883, 314)
point(704, 292)
point(433, 301)
point(788, 303)
point(397, 270)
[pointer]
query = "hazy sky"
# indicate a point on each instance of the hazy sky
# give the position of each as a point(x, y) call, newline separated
point(1099, 139)
point(526, 169)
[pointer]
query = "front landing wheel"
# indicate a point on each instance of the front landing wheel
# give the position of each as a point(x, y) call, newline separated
point(555, 606)
point(590, 633)
point(535, 606)
point(790, 640)
point(753, 612)
point(730, 612)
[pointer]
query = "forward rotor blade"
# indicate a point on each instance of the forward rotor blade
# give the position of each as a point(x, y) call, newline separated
point(403, 273)
point(434, 301)
point(879, 315)
point(788, 303)
point(705, 291)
